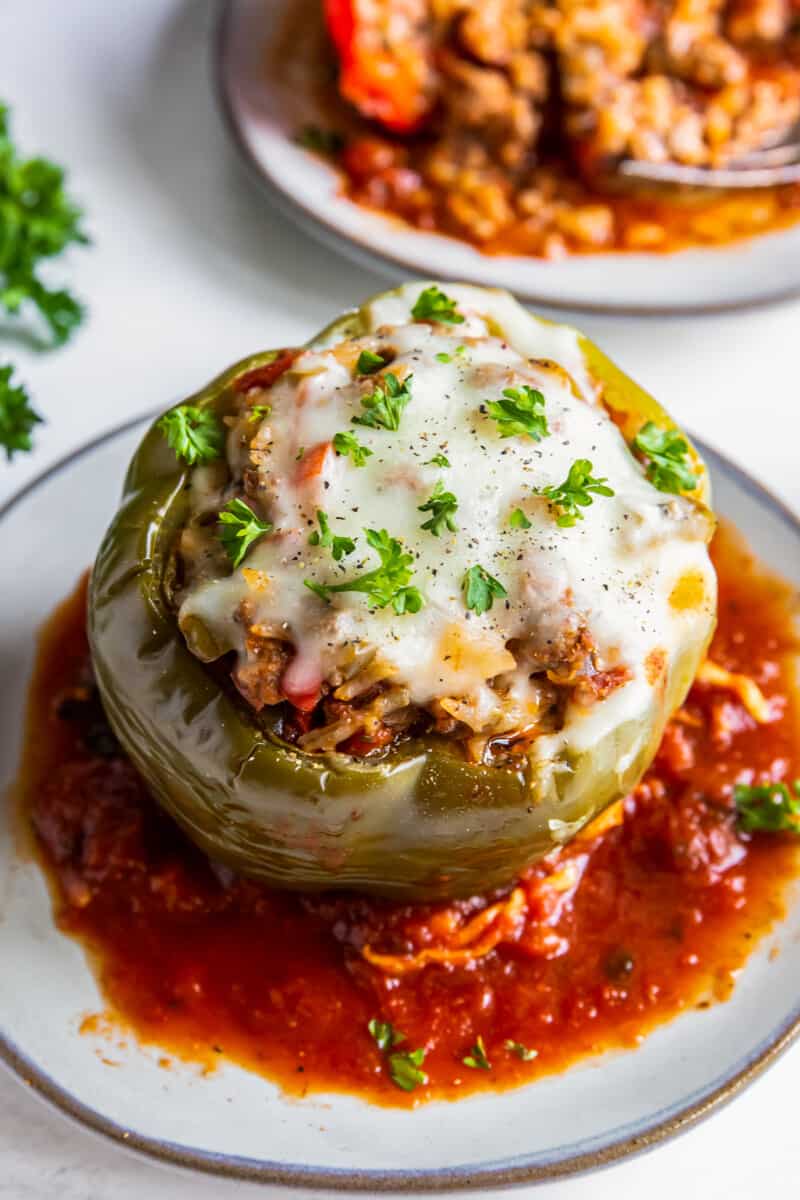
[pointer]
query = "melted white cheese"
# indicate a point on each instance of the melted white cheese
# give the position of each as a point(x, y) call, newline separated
point(612, 572)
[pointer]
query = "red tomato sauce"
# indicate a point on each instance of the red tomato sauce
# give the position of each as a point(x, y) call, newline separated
point(670, 901)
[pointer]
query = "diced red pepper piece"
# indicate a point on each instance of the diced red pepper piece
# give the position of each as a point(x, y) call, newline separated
point(269, 373)
point(385, 60)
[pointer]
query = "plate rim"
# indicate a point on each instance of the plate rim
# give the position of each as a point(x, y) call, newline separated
point(447, 1179)
point(359, 250)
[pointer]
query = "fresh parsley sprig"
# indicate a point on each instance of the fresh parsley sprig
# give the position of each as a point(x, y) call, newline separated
point(348, 445)
point(438, 460)
point(338, 545)
point(17, 417)
point(477, 1057)
point(481, 590)
point(669, 466)
point(368, 363)
point(444, 357)
point(405, 1069)
point(387, 584)
point(768, 808)
point(442, 506)
point(37, 221)
point(404, 1065)
point(520, 413)
point(384, 1034)
point(384, 405)
point(575, 492)
point(433, 305)
point(518, 520)
point(524, 1053)
point(195, 434)
point(327, 142)
point(240, 528)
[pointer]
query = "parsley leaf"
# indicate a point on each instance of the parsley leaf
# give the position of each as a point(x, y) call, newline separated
point(518, 520)
point(387, 584)
point(195, 434)
point(438, 460)
point(573, 494)
point(669, 467)
point(384, 406)
point(477, 1057)
point(521, 1051)
point(441, 505)
point(443, 358)
point(481, 590)
point(385, 1034)
point(240, 528)
point(404, 1068)
point(348, 444)
point(259, 412)
point(339, 546)
point(368, 363)
point(520, 413)
point(328, 142)
point(770, 808)
point(432, 305)
point(37, 221)
point(17, 418)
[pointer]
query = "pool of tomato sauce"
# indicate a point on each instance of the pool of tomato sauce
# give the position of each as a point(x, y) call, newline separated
point(209, 968)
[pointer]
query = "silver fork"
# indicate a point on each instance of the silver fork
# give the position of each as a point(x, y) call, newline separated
point(769, 166)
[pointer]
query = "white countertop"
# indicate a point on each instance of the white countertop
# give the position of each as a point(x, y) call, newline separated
point(191, 270)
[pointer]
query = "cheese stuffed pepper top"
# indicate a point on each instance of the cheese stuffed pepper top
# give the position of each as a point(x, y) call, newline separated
point(443, 577)
point(449, 532)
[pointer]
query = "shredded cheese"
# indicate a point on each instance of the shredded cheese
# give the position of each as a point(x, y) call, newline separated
point(748, 691)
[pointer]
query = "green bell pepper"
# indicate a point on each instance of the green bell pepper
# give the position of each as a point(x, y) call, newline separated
point(417, 823)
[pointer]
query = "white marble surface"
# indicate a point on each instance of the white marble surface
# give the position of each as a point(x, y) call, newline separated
point(189, 270)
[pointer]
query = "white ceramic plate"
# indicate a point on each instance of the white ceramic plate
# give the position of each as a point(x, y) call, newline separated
point(264, 119)
point(236, 1124)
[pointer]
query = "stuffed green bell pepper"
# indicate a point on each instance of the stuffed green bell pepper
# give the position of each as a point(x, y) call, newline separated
point(403, 609)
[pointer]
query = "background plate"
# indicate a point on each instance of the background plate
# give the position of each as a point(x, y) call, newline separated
point(236, 1124)
point(265, 118)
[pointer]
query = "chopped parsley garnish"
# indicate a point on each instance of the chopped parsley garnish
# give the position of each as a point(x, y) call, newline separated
point(37, 221)
point(387, 584)
point(477, 1058)
point(444, 358)
point(322, 141)
point(17, 418)
point(575, 492)
point(195, 434)
point(441, 505)
point(368, 363)
point(768, 808)
point(522, 1052)
point(438, 460)
point(520, 413)
point(348, 444)
point(384, 406)
point(338, 546)
point(301, 453)
point(669, 467)
point(385, 1034)
point(404, 1068)
point(433, 305)
point(518, 520)
point(481, 590)
point(259, 411)
point(240, 528)
point(404, 1065)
